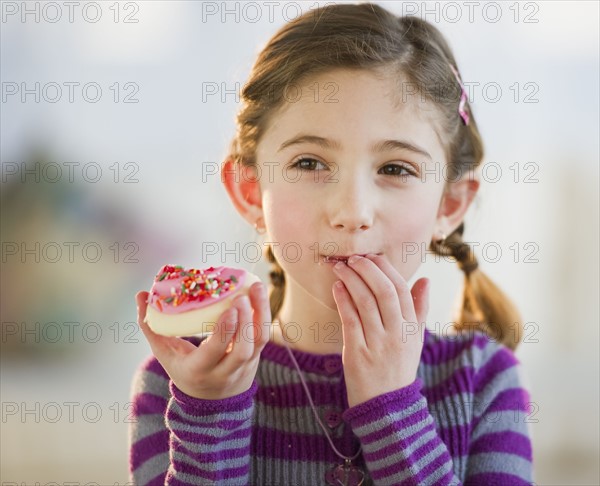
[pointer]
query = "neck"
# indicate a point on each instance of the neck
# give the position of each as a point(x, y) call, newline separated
point(306, 324)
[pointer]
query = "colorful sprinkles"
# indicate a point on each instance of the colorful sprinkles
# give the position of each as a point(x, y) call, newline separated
point(196, 286)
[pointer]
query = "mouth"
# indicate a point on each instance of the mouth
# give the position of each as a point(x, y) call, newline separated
point(342, 258)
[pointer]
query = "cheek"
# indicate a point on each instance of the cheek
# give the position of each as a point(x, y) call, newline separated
point(287, 214)
point(409, 237)
point(413, 228)
point(414, 223)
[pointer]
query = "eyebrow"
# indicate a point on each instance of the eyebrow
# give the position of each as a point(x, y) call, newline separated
point(381, 146)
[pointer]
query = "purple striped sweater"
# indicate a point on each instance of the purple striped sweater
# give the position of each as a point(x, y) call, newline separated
point(464, 420)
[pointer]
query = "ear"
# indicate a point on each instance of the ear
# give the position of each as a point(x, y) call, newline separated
point(456, 199)
point(243, 188)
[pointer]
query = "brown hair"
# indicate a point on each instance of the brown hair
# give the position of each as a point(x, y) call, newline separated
point(367, 36)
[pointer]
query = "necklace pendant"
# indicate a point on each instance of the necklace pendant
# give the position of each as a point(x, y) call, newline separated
point(349, 475)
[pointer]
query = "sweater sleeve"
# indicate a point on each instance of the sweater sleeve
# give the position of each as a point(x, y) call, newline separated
point(148, 434)
point(210, 439)
point(401, 445)
point(175, 439)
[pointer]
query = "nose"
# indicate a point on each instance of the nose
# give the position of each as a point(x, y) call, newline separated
point(351, 205)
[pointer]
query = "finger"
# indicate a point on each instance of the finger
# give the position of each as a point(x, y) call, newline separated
point(363, 298)
point(261, 317)
point(352, 330)
point(383, 288)
point(141, 300)
point(211, 353)
point(420, 295)
point(404, 295)
point(243, 342)
point(158, 348)
point(163, 347)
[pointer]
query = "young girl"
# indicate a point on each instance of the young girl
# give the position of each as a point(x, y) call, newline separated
point(350, 144)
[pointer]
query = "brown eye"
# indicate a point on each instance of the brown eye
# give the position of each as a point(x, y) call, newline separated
point(397, 170)
point(306, 164)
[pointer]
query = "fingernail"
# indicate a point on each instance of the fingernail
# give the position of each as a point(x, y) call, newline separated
point(339, 265)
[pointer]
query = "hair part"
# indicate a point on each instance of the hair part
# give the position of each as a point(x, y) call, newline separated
point(366, 36)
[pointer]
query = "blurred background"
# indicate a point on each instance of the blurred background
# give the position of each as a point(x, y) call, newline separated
point(115, 118)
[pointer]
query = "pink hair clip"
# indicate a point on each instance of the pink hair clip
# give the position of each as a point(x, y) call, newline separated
point(463, 97)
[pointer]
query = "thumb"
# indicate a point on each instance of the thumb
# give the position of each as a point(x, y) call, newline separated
point(420, 294)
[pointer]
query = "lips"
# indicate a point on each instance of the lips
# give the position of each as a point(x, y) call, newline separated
point(342, 258)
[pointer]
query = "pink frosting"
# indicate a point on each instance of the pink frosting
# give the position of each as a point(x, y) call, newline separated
point(177, 289)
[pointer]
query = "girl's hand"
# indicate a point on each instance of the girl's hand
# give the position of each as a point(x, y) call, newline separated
point(383, 327)
point(208, 371)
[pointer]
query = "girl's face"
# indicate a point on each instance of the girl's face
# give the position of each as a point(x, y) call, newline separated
point(344, 171)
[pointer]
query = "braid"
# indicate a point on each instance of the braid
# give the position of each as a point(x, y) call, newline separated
point(454, 246)
point(465, 258)
point(481, 308)
point(462, 252)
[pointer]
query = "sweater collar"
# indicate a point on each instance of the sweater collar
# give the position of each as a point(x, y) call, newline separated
point(322, 364)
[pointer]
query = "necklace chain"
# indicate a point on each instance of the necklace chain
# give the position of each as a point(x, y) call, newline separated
point(347, 460)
